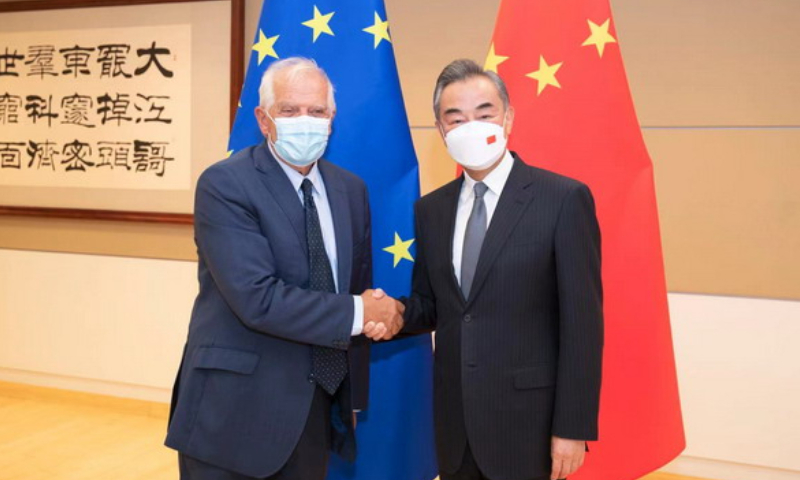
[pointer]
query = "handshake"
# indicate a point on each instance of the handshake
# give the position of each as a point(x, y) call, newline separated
point(383, 315)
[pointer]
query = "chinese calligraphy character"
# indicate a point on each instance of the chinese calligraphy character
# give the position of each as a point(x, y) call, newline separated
point(112, 57)
point(76, 60)
point(152, 105)
point(76, 110)
point(76, 153)
point(43, 154)
point(8, 61)
point(113, 154)
point(9, 106)
point(113, 108)
point(150, 156)
point(10, 154)
point(152, 52)
point(38, 107)
point(40, 59)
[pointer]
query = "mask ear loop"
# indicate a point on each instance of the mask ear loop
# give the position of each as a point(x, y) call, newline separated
point(270, 141)
point(269, 137)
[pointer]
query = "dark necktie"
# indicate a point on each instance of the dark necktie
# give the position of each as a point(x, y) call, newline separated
point(473, 239)
point(329, 364)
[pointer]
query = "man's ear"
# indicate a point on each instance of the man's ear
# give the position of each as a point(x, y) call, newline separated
point(263, 120)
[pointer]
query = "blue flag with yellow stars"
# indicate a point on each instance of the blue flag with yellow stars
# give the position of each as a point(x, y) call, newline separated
point(351, 41)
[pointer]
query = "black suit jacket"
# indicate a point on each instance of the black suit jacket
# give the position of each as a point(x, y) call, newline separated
point(243, 392)
point(520, 360)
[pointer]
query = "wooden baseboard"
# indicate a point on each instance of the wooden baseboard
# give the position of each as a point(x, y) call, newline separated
point(106, 402)
point(725, 470)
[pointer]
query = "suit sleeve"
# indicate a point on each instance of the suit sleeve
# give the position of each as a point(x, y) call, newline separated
point(580, 292)
point(242, 264)
point(420, 314)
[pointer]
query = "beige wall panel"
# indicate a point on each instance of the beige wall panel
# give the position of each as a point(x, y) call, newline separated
point(730, 210)
point(104, 238)
point(427, 36)
point(737, 361)
point(712, 62)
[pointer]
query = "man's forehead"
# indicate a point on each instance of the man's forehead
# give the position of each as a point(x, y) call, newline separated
point(305, 85)
point(474, 90)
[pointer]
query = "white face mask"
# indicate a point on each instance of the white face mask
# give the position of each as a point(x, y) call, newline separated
point(301, 140)
point(476, 145)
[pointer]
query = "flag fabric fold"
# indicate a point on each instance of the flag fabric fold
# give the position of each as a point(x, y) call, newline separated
point(574, 115)
point(351, 41)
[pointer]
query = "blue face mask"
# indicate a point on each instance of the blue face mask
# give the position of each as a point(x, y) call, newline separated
point(301, 140)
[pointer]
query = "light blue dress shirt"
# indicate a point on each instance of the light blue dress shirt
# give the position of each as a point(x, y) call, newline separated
point(326, 224)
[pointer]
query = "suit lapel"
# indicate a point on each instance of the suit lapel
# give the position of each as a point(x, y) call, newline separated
point(282, 191)
point(450, 211)
point(342, 223)
point(515, 197)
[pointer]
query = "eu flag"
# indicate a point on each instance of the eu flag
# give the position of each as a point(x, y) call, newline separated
point(352, 43)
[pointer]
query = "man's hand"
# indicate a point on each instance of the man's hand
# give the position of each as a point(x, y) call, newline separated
point(567, 456)
point(383, 315)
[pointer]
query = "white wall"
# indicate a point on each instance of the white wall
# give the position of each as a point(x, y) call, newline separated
point(738, 365)
point(116, 326)
point(102, 324)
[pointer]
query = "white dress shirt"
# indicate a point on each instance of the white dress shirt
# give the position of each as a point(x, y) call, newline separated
point(496, 180)
point(320, 196)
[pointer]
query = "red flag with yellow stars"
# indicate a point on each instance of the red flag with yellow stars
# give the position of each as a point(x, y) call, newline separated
point(574, 115)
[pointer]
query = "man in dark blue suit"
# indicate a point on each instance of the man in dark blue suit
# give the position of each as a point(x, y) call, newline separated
point(275, 363)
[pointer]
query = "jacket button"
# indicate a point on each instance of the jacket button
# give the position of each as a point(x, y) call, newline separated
point(467, 318)
point(472, 364)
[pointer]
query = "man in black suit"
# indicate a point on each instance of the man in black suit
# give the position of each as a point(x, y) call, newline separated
point(508, 274)
point(274, 364)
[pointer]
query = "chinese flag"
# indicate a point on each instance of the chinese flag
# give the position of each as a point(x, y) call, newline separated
point(574, 115)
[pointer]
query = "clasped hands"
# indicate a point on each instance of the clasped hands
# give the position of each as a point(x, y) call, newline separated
point(383, 315)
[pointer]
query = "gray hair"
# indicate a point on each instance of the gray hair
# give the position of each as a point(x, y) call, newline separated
point(463, 69)
point(293, 67)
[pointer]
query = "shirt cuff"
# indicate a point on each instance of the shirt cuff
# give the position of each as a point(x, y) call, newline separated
point(358, 316)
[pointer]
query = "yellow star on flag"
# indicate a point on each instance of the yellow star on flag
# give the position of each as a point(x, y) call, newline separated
point(493, 60)
point(380, 30)
point(320, 23)
point(400, 249)
point(265, 46)
point(546, 75)
point(600, 36)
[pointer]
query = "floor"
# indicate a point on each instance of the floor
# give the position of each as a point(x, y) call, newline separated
point(49, 434)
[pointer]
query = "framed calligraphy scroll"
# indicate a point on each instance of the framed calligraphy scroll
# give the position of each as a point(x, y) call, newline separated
point(111, 109)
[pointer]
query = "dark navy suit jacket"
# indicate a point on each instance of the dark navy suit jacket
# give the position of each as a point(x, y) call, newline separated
point(243, 392)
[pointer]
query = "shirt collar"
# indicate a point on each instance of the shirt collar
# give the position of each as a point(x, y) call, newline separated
point(297, 178)
point(496, 179)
